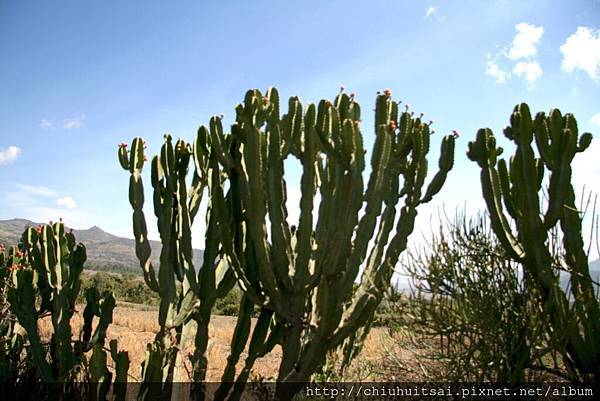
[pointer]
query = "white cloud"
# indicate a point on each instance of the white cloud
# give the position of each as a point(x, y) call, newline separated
point(531, 70)
point(492, 69)
point(37, 190)
point(9, 155)
point(582, 51)
point(66, 202)
point(46, 124)
point(523, 46)
point(595, 119)
point(73, 123)
point(430, 11)
point(525, 42)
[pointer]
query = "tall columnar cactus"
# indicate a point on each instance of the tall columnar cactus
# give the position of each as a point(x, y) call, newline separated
point(512, 196)
point(187, 293)
point(12, 335)
point(303, 276)
point(45, 274)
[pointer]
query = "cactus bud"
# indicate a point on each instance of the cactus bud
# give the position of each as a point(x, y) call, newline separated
point(387, 92)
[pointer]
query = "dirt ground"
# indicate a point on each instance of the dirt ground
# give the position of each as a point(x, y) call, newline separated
point(135, 326)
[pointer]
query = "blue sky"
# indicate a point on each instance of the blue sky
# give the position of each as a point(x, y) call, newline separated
point(79, 77)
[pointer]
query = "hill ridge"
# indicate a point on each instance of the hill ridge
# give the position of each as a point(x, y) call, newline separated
point(105, 251)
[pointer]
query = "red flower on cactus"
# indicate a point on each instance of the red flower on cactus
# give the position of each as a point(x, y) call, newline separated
point(455, 133)
point(2, 248)
point(20, 254)
point(39, 228)
point(387, 92)
point(122, 145)
point(17, 266)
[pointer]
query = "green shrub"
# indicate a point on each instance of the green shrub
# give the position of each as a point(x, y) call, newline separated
point(125, 287)
point(472, 301)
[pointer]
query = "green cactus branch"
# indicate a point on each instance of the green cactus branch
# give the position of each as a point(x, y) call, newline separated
point(516, 188)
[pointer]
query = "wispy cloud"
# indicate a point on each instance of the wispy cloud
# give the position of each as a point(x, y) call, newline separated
point(40, 204)
point(492, 69)
point(433, 11)
point(73, 123)
point(66, 202)
point(524, 48)
point(9, 155)
point(46, 124)
point(430, 11)
point(581, 51)
point(37, 190)
point(595, 119)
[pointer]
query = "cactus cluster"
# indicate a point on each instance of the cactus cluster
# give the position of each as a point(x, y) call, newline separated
point(301, 277)
point(44, 280)
point(187, 293)
point(512, 195)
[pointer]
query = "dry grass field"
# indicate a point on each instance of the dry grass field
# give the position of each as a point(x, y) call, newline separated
point(134, 326)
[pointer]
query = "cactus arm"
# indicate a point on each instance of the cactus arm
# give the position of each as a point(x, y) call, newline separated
point(259, 346)
point(505, 187)
point(99, 374)
point(303, 248)
point(22, 300)
point(216, 135)
point(291, 125)
point(121, 360)
point(253, 159)
point(135, 164)
point(276, 195)
point(238, 342)
point(445, 164)
point(375, 188)
point(483, 150)
point(184, 230)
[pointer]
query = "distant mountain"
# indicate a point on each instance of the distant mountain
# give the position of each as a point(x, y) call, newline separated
point(105, 251)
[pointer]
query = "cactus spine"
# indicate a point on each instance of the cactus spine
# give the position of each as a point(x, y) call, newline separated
point(303, 277)
point(515, 187)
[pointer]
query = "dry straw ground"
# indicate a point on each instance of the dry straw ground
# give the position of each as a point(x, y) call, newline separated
point(134, 326)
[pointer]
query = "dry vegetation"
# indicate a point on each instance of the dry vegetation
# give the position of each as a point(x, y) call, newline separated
point(134, 326)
